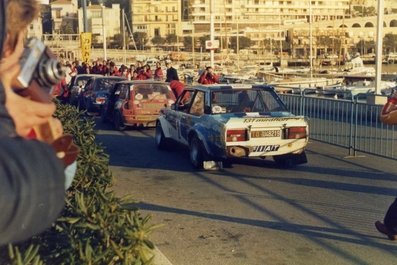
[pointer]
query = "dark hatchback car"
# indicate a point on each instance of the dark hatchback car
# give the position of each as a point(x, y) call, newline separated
point(137, 103)
point(76, 85)
point(96, 92)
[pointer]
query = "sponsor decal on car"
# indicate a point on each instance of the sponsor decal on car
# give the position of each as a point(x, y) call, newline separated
point(266, 148)
point(255, 120)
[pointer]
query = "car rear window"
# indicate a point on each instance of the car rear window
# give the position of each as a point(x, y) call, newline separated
point(105, 84)
point(152, 89)
point(255, 100)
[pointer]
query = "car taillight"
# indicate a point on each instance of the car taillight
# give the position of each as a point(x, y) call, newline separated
point(296, 132)
point(236, 135)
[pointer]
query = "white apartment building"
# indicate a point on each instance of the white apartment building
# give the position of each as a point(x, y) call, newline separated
point(156, 17)
point(63, 12)
point(100, 17)
point(260, 20)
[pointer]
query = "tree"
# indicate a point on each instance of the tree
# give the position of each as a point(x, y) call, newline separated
point(171, 38)
point(364, 47)
point(118, 41)
point(390, 42)
point(244, 42)
point(187, 43)
point(67, 28)
point(158, 40)
point(203, 39)
point(140, 39)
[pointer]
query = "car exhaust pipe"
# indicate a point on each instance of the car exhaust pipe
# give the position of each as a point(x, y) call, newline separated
point(237, 151)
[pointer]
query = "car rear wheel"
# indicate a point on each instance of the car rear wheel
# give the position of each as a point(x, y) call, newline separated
point(118, 122)
point(196, 153)
point(290, 160)
point(161, 141)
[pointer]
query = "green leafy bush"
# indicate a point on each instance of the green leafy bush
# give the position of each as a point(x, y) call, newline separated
point(94, 227)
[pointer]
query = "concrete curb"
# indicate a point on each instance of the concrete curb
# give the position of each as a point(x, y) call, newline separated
point(160, 258)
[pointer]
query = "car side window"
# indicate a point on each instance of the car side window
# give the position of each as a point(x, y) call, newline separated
point(197, 107)
point(123, 92)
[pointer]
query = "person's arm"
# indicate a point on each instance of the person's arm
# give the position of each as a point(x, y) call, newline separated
point(203, 78)
point(32, 186)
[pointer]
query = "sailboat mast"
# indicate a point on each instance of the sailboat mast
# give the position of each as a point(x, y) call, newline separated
point(311, 39)
point(212, 29)
point(379, 44)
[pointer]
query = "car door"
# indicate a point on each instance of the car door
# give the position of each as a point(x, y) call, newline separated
point(174, 116)
point(121, 97)
point(191, 116)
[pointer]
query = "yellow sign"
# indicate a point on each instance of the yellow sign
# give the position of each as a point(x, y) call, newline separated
point(85, 45)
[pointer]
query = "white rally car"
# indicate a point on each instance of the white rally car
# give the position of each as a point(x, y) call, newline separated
point(218, 122)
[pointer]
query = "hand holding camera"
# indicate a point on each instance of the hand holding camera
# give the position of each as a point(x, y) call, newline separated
point(30, 104)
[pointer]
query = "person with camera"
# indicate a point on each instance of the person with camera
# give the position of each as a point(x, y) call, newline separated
point(32, 179)
point(389, 224)
point(208, 77)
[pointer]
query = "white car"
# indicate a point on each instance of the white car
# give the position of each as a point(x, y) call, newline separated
point(218, 122)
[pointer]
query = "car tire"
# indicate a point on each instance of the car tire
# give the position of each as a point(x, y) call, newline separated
point(118, 122)
point(284, 161)
point(290, 160)
point(103, 115)
point(196, 153)
point(161, 141)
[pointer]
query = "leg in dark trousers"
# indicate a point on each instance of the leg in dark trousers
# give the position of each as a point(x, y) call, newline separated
point(389, 227)
point(391, 217)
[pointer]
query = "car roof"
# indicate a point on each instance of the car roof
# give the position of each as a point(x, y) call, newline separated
point(216, 87)
point(111, 77)
point(92, 75)
point(143, 82)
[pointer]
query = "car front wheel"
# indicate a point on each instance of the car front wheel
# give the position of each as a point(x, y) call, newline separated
point(196, 153)
point(161, 141)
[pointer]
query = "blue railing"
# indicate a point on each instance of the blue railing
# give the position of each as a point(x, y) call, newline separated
point(346, 123)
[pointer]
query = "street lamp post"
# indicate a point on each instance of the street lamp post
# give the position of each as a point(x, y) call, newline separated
point(104, 32)
point(84, 7)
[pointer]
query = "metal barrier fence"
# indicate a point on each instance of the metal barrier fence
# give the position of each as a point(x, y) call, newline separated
point(346, 123)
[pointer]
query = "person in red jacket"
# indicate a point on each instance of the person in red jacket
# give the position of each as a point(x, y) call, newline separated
point(158, 72)
point(208, 77)
point(177, 87)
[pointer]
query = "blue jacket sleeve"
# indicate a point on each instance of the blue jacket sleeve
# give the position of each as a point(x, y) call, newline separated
point(31, 188)
point(32, 183)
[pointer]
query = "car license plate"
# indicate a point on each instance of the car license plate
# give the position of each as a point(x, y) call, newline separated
point(265, 133)
point(100, 100)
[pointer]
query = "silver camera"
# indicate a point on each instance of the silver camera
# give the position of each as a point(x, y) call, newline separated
point(38, 63)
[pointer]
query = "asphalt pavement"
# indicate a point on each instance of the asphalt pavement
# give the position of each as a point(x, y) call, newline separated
point(255, 213)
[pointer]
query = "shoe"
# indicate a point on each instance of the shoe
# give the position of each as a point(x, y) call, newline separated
point(384, 230)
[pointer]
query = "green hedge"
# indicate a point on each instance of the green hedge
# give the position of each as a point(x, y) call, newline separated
point(94, 227)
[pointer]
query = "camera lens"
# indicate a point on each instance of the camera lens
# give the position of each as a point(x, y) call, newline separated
point(50, 72)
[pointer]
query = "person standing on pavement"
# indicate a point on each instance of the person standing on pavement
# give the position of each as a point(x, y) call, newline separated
point(389, 225)
point(172, 73)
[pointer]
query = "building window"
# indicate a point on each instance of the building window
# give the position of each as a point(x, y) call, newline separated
point(96, 14)
point(157, 32)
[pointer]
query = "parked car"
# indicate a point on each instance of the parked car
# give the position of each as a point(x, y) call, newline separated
point(136, 103)
point(218, 122)
point(96, 91)
point(76, 85)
